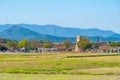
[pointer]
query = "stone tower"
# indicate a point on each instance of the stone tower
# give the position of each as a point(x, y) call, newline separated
point(76, 46)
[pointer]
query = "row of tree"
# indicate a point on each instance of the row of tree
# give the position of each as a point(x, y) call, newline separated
point(31, 45)
point(27, 44)
point(83, 44)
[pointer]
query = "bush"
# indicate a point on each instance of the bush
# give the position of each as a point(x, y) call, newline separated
point(3, 48)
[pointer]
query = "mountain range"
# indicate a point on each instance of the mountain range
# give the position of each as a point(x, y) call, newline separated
point(53, 33)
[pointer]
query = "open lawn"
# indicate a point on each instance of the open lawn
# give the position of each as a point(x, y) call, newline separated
point(54, 66)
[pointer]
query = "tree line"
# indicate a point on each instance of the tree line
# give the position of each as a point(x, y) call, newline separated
point(29, 45)
point(84, 44)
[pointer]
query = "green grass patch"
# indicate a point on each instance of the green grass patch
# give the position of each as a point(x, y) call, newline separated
point(39, 71)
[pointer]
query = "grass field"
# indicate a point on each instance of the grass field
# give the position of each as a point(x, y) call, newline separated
point(60, 66)
point(57, 77)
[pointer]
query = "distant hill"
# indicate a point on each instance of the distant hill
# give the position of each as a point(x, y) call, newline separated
point(18, 33)
point(4, 27)
point(53, 33)
point(67, 32)
point(105, 39)
point(62, 31)
point(115, 35)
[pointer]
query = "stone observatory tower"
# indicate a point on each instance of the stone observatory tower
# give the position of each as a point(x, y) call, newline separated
point(76, 46)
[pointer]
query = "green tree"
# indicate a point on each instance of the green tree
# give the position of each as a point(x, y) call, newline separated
point(67, 43)
point(84, 44)
point(3, 48)
point(12, 44)
point(24, 44)
point(47, 45)
point(34, 44)
point(114, 44)
point(95, 45)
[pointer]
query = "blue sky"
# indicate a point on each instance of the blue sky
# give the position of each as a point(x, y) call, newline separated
point(102, 14)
